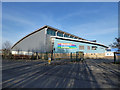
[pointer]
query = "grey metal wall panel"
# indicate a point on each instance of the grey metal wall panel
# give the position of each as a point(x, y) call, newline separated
point(34, 42)
point(48, 43)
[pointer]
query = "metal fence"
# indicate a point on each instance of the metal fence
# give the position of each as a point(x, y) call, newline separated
point(45, 56)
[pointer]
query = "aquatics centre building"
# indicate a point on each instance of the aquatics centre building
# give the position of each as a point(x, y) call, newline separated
point(52, 40)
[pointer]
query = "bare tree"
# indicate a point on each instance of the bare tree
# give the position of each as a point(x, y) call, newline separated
point(6, 48)
point(116, 43)
point(6, 45)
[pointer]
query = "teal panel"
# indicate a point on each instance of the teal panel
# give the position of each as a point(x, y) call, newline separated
point(99, 49)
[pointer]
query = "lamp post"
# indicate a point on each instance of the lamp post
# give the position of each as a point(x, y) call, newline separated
point(118, 44)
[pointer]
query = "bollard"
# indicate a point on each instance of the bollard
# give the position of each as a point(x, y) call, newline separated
point(49, 60)
point(114, 58)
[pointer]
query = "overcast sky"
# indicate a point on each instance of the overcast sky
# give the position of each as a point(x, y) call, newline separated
point(88, 20)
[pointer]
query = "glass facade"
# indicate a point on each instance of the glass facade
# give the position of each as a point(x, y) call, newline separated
point(51, 32)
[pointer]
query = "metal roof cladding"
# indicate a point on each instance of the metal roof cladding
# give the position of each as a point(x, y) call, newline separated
point(47, 26)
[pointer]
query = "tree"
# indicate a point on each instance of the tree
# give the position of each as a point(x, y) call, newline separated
point(6, 45)
point(116, 43)
point(6, 49)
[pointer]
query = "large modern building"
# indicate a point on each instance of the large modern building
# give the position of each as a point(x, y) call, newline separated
point(49, 39)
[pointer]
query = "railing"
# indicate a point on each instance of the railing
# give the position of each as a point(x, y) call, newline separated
point(45, 56)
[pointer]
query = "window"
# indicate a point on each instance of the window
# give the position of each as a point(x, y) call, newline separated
point(108, 49)
point(51, 32)
point(60, 34)
point(101, 48)
point(74, 38)
point(94, 47)
point(81, 47)
point(88, 47)
point(66, 35)
point(71, 36)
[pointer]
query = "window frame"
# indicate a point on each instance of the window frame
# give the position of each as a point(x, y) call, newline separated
point(88, 47)
point(83, 47)
point(93, 48)
point(59, 34)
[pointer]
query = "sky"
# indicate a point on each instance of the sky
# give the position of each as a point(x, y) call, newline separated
point(88, 20)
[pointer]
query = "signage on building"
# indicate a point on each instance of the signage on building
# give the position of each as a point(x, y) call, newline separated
point(67, 45)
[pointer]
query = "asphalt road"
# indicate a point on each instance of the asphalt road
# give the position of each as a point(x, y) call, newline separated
point(38, 74)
